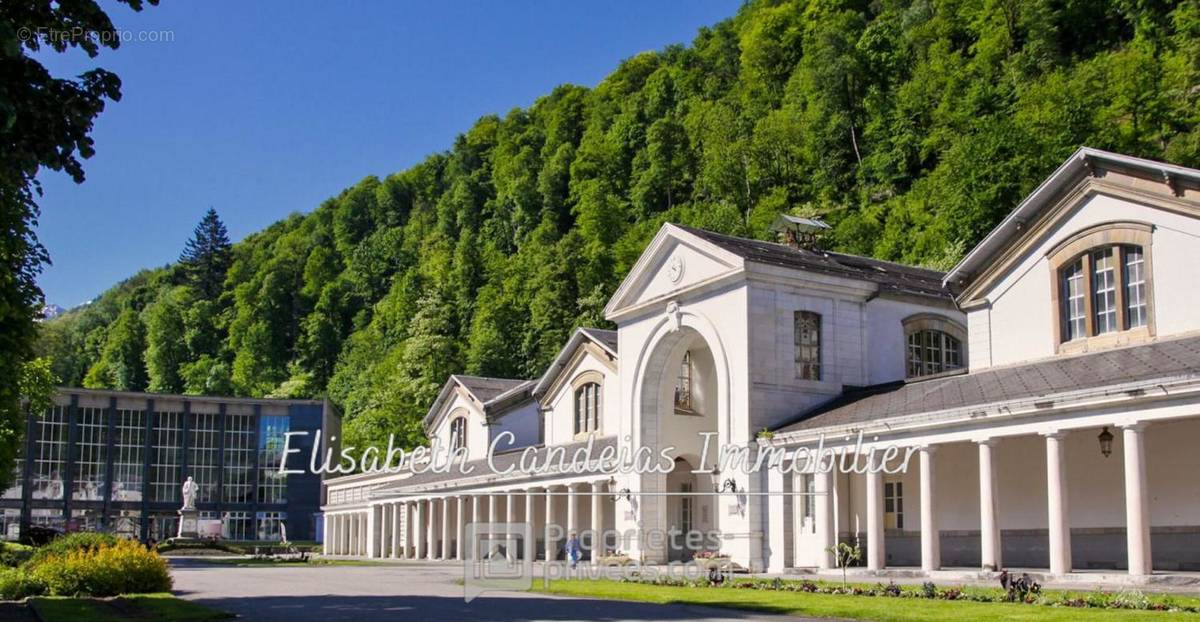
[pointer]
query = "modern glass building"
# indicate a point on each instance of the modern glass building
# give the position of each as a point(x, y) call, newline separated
point(115, 461)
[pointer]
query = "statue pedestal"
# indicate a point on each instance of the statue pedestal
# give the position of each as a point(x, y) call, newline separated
point(189, 524)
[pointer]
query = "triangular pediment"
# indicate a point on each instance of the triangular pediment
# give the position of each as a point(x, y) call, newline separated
point(1046, 212)
point(675, 262)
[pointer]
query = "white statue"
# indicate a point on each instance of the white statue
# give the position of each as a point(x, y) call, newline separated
point(190, 488)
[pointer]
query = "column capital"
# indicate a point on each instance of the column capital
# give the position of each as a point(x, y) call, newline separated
point(928, 448)
point(990, 441)
point(1134, 426)
point(598, 485)
point(1056, 434)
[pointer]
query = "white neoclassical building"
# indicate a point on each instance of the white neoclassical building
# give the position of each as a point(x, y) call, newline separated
point(1046, 389)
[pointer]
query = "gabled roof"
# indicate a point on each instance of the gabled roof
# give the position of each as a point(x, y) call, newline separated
point(1081, 164)
point(1064, 374)
point(892, 277)
point(606, 339)
point(492, 394)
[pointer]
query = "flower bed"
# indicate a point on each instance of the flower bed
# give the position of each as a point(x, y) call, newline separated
point(1100, 599)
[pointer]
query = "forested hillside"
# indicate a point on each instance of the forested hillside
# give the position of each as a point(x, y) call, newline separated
point(912, 127)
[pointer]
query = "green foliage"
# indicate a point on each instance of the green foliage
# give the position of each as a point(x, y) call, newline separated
point(207, 255)
point(124, 567)
point(18, 583)
point(38, 384)
point(911, 127)
point(72, 542)
point(45, 123)
point(13, 554)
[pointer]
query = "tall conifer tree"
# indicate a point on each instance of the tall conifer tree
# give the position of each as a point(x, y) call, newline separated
point(207, 255)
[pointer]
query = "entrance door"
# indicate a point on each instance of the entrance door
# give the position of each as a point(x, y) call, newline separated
point(808, 548)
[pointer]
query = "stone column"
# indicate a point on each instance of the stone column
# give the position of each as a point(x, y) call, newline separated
point(597, 542)
point(418, 533)
point(398, 510)
point(472, 553)
point(325, 534)
point(527, 547)
point(430, 530)
point(931, 549)
point(446, 528)
point(373, 528)
point(1056, 492)
point(1137, 501)
point(462, 528)
point(493, 511)
point(510, 517)
point(989, 527)
point(572, 510)
point(551, 548)
point(339, 530)
point(876, 547)
point(823, 508)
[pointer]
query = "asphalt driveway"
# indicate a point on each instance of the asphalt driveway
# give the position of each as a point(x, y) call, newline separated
point(399, 592)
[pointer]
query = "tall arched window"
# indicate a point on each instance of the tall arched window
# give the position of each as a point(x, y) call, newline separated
point(458, 433)
point(683, 384)
point(587, 408)
point(934, 343)
point(1102, 285)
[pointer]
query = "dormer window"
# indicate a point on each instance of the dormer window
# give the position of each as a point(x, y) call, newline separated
point(935, 345)
point(683, 384)
point(458, 433)
point(1102, 286)
point(587, 408)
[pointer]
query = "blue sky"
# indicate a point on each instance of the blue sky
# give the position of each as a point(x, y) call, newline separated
point(260, 109)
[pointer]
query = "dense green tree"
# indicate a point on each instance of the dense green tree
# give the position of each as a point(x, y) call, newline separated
point(45, 123)
point(122, 364)
point(911, 126)
point(166, 341)
point(207, 255)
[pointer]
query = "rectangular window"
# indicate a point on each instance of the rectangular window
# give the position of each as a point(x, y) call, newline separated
point(50, 455)
point(807, 504)
point(1135, 287)
point(271, 525)
point(1075, 325)
point(807, 335)
point(1104, 291)
point(167, 457)
point(91, 457)
point(237, 526)
point(239, 458)
point(272, 485)
point(127, 463)
point(203, 451)
point(893, 505)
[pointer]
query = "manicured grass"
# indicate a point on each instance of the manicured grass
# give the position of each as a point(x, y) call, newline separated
point(883, 609)
point(161, 607)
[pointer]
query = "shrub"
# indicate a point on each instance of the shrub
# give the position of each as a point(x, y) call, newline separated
point(16, 583)
point(82, 541)
point(13, 555)
point(122, 568)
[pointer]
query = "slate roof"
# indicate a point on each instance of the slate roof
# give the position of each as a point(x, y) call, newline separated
point(487, 389)
point(1161, 359)
point(607, 338)
point(889, 276)
point(503, 461)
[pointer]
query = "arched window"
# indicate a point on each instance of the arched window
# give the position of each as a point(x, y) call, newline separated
point(935, 344)
point(932, 352)
point(587, 408)
point(683, 384)
point(458, 433)
point(1102, 284)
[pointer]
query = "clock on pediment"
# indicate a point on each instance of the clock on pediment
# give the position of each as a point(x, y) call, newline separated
point(675, 269)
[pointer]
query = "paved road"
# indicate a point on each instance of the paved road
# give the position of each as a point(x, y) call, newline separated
point(405, 593)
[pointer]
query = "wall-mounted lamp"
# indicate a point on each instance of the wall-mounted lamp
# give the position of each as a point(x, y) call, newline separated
point(1106, 439)
point(729, 485)
point(623, 493)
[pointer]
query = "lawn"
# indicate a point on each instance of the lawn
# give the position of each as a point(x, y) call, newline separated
point(161, 607)
point(882, 609)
